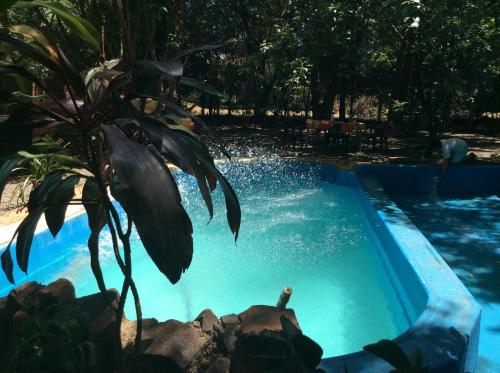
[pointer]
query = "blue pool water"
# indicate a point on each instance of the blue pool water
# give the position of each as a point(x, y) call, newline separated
point(303, 226)
point(466, 232)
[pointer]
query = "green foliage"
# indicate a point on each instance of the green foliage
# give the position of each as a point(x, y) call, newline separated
point(54, 340)
point(33, 171)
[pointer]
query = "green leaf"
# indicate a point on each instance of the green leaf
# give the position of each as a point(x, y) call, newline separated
point(6, 4)
point(39, 194)
point(57, 203)
point(25, 235)
point(76, 24)
point(200, 48)
point(23, 97)
point(5, 170)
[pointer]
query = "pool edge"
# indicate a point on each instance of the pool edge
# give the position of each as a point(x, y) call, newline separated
point(447, 330)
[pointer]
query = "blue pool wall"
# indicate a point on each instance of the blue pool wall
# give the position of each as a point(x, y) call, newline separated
point(47, 251)
point(446, 328)
point(418, 179)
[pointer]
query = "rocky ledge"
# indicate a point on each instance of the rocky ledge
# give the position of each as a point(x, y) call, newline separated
point(260, 339)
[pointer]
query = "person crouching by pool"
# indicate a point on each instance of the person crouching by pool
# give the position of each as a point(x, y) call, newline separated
point(453, 151)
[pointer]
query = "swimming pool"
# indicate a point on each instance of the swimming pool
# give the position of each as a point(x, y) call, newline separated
point(303, 226)
point(361, 271)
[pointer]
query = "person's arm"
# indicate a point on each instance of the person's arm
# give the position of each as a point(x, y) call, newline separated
point(444, 167)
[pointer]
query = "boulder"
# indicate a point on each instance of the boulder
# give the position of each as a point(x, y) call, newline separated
point(17, 320)
point(101, 312)
point(129, 328)
point(23, 297)
point(220, 365)
point(209, 322)
point(175, 346)
point(257, 319)
point(231, 326)
point(58, 292)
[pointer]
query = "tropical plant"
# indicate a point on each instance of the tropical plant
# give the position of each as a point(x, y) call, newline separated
point(54, 340)
point(120, 120)
point(33, 171)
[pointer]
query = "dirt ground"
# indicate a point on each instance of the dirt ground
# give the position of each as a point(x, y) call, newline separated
point(270, 143)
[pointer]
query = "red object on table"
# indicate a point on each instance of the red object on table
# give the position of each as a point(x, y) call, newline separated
point(325, 125)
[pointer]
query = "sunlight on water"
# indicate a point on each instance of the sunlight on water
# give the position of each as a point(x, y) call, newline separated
point(299, 229)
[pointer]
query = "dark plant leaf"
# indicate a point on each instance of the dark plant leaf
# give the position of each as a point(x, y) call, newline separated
point(178, 110)
point(30, 52)
point(26, 115)
point(5, 170)
point(145, 76)
point(25, 234)
point(39, 194)
point(200, 86)
point(57, 203)
point(71, 74)
point(169, 145)
point(309, 351)
point(93, 202)
point(201, 48)
point(172, 68)
point(36, 38)
point(290, 330)
point(8, 264)
point(390, 352)
point(206, 160)
point(148, 193)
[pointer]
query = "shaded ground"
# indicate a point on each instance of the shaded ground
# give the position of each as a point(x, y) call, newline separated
point(466, 232)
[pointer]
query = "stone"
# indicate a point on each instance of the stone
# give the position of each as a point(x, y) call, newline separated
point(257, 319)
point(23, 297)
point(209, 322)
point(175, 346)
point(17, 320)
point(129, 329)
point(102, 320)
point(231, 326)
point(220, 365)
point(58, 292)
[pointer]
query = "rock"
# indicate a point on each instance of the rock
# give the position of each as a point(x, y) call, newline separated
point(209, 322)
point(129, 328)
point(257, 319)
point(23, 297)
point(264, 352)
point(175, 346)
point(59, 292)
point(17, 320)
point(231, 326)
point(102, 320)
point(220, 365)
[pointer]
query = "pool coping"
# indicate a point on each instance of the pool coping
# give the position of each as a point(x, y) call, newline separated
point(447, 330)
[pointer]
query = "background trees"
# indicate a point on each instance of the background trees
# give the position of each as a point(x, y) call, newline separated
point(423, 61)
